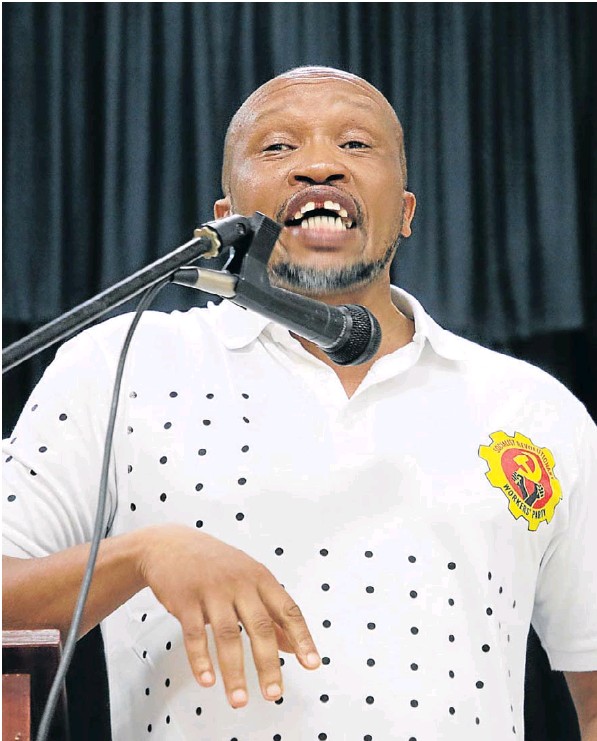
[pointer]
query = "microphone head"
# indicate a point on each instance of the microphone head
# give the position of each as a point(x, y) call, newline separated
point(361, 339)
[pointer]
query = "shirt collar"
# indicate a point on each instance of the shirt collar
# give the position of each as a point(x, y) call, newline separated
point(444, 343)
point(238, 327)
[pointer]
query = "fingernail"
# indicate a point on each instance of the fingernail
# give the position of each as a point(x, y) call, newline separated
point(313, 659)
point(206, 678)
point(238, 697)
point(273, 690)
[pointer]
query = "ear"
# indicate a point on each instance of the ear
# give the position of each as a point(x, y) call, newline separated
point(222, 208)
point(409, 204)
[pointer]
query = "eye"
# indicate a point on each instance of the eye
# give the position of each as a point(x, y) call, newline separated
point(277, 147)
point(355, 144)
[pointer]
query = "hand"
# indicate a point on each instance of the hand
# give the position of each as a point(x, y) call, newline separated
point(223, 586)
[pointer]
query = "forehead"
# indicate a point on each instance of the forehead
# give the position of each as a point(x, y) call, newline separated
point(301, 96)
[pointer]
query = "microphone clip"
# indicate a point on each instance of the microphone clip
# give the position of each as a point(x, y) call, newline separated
point(239, 233)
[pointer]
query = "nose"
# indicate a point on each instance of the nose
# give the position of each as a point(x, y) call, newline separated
point(318, 166)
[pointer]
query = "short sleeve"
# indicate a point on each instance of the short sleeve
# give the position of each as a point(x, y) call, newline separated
point(565, 615)
point(52, 462)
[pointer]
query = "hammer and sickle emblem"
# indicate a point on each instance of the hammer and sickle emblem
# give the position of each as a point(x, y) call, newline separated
point(525, 471)
point(534, 473)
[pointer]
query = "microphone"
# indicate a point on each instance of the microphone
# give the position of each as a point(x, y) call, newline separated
point(348, 334)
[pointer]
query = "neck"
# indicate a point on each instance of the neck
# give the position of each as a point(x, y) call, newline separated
point(396, 329)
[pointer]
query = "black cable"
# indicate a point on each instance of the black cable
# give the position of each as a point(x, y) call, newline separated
point(71, 640)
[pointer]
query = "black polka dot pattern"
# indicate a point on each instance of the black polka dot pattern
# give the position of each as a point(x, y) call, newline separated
point(436, 648)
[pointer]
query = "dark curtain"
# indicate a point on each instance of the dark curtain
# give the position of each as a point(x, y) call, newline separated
point(114, 117)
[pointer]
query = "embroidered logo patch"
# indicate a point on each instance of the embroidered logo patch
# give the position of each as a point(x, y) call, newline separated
point(524, 473)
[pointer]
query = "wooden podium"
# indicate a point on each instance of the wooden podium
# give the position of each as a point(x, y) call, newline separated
point(29, 662)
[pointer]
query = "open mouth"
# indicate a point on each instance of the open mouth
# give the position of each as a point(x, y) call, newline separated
point(328, 215)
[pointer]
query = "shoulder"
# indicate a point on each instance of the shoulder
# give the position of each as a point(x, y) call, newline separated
point(495, 378)
point(501, 370)
point(166, 325)
point(507, 386)
point(156, 331)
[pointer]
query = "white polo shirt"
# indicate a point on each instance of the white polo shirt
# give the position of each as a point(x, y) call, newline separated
point(421, 524)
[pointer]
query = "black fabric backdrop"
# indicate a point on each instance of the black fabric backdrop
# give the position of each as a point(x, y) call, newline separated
point(115, 113)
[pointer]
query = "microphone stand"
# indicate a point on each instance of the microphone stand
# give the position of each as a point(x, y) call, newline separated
point(238, 232)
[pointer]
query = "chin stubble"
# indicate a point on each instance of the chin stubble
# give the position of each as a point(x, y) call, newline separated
point(313, 281)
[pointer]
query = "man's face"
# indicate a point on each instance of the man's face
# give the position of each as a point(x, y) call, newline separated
point(321, 156)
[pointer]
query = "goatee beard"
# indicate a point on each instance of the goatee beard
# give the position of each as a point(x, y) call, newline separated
point(311, 281)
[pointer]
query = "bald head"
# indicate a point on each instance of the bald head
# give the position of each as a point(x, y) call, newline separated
point(249, 111)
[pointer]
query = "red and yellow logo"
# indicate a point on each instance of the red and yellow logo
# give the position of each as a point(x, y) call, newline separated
point(524, 473)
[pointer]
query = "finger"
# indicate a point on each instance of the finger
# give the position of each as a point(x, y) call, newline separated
point(283, 642)
point(195, 641)
point(260, 629)
point(224, 623)
point(289, 617)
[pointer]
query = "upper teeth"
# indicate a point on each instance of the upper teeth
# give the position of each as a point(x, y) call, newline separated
point(328, 205)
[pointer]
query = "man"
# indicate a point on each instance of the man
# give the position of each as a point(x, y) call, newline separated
point(420, 508)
